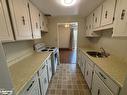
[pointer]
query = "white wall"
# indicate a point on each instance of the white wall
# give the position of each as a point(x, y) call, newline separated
point(64, 37)
point(51, 37)
point(17, 50)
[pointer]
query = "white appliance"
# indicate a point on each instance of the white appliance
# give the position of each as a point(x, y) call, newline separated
point(41, 47)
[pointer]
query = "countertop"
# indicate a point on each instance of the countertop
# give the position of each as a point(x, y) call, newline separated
point(24, 70)
point(113, 66)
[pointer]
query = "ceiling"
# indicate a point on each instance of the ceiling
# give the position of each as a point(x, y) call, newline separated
point(55, 8)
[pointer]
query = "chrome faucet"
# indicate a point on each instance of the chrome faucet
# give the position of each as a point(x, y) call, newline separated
point(104, 53)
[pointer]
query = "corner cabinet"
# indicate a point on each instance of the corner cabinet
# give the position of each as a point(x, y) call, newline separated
point(6, 33)
point(98, 87)
point(35, 23)
point(120, 23)
point(21, 19)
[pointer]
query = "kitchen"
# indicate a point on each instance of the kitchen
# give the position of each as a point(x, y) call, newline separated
point(28, 67)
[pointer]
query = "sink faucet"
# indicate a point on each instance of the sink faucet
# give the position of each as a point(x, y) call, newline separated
point(104, 53)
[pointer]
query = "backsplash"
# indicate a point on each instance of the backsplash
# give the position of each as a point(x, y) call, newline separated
point(16, 51)
point(116, 46)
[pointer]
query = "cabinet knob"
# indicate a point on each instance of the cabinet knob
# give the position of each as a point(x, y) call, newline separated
point(123, 14)
point(23, 20)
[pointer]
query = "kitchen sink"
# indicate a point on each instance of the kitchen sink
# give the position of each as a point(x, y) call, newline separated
point(95, 54)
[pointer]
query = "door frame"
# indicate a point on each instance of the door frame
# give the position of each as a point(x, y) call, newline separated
point(58, 32)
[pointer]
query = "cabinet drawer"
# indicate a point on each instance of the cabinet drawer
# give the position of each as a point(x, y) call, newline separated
point(108, 81)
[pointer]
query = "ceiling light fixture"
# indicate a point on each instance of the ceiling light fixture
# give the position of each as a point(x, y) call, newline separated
point(68, 2)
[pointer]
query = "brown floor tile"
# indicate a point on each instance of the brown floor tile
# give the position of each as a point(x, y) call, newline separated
point(68, 80)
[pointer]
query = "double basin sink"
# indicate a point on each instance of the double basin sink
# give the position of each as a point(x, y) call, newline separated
point(97, 54)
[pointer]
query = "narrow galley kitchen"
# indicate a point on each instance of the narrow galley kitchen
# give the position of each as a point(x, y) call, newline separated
point(63, 47)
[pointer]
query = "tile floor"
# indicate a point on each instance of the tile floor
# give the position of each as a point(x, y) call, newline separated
point(68, 80)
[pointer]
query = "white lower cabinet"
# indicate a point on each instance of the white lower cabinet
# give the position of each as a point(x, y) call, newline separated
point(98, 87)
point(32, 87)
point(43, 78)
point(49, 69)
point(89, 74)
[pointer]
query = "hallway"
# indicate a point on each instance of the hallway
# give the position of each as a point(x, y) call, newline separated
point(68, 80)
point(68, 56)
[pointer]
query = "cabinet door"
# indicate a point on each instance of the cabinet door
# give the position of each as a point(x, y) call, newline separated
point(88, 74)
point(97, 17)
point(34, 14)
point(41, 17)
point(49, 69)
point(120, 23)
point(89, 25)
point(45, 24)
point(44, 82)
point(5, 25)
point(108, 12)
point(21, 19)
point(99, 88)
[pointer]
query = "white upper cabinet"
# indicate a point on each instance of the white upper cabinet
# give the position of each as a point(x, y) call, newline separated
point(6, 33)
point(21, 19)
point(120, 23)
point(35, 23)
point(41, 17)
point(43, 23)
point(97, 17)
point(89, 25)
point(108, 12)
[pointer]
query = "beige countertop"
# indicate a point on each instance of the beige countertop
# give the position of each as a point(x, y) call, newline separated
point(114, 67)
point(24, 70)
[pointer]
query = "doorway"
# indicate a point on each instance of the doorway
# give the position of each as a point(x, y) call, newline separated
point(67, 42)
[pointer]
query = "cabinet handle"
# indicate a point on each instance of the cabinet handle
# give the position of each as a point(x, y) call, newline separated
point(123, 14)
point(30, 86)
point(106, 14)
point(23, 20)
point(98, 93)
point(43, 67)
point(102, 75)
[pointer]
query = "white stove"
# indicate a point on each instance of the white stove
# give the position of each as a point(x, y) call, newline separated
point(41, 47)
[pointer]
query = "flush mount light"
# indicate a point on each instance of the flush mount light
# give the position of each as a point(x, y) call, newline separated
point(68, 2)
